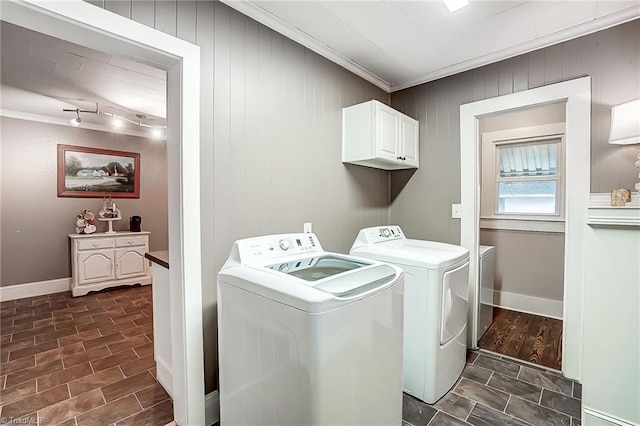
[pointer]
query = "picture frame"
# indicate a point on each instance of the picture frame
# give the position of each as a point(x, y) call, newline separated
point(85, 172)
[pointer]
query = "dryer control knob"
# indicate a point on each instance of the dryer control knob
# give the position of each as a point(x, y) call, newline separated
point(284, 245)
point(385, 232)
point(284, 267)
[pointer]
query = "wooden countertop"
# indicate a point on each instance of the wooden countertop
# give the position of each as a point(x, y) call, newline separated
point(159, 257)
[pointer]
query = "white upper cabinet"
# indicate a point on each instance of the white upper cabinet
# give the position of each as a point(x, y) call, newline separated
point(375, 135)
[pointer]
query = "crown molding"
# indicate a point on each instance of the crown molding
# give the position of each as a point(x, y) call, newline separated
point(257, 13)
point(252, 9)
point(539, 43)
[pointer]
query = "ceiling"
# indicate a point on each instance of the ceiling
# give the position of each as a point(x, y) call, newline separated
point(399, 44)
point(42, 75)
point(393, 44)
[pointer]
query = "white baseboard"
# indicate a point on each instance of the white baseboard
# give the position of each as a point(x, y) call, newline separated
point(528, 304)
point(593, 417)
point(164, 375)
point(212, 408)
point(20, 291)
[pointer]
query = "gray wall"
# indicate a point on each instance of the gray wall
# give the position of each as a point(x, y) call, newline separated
point(270, 139)
point(35, 223)
point(422, 205)
point(527, 263)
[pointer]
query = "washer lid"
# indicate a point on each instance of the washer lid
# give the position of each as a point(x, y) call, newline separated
point(313, 284)
point(419, 253)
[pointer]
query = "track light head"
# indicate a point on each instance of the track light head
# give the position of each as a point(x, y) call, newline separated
point(75, 122)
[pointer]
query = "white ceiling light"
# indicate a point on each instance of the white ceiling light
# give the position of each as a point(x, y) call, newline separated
point(75, 122)
point(454, 5)
point(156, 132)
point(116, 122)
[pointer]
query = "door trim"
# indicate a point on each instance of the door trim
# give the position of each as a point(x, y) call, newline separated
point(577, 95)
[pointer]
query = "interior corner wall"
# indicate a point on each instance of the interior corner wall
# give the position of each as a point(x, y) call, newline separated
point(270, 139)
point(422, 204)
point(527, 263)
point(35, 222)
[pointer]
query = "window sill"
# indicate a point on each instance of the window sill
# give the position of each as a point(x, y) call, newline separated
point(554, 226)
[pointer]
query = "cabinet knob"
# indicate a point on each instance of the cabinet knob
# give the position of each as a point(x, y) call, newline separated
point(399, 158)
point(129, 242)
point(95, 244)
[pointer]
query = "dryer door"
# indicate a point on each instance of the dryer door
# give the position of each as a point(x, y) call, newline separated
point(454, 302)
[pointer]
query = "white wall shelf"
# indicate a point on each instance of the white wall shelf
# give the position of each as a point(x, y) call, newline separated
point(602, 213)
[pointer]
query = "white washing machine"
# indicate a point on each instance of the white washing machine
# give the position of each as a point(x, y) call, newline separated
point(435, 306)
point(308, 337)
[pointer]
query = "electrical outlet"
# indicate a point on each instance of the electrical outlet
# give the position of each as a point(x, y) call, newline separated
point(307, 228)
point(456, 211)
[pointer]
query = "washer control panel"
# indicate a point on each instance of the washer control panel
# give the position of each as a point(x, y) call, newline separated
point(255, 250)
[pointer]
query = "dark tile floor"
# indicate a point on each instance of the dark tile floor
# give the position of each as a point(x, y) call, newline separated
point(495, 390)
point(89, 361)
point(79, 361)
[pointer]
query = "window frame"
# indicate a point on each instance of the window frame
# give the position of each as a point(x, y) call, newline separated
point(490, 218)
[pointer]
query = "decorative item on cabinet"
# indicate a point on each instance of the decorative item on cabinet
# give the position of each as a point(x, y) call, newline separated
point(376, 135)
point(85, 223)
point(100, 261)
point(109, 213)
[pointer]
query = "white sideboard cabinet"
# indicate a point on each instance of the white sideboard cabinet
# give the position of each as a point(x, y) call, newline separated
point(106, 260)
point(376, 135)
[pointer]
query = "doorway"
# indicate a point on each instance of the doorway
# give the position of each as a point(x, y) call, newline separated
point(522, 219)
point(87, 25)
point(577, 95)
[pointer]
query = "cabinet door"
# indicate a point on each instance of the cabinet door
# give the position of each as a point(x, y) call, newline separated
point(130, 262)
point(409, 140)
point(95, 266)
point(387, 131)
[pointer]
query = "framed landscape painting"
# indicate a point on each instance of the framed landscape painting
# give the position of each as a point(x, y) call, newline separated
point(85, 172)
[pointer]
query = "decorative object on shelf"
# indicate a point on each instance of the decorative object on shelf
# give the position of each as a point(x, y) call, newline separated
point(620, 197)
point(109, 213)
point(625, 127)
point(85, 223)
point(85, 172)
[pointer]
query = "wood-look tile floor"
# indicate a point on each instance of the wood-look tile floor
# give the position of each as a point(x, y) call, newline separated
point(528, 337)
point(496, 391)
point(81, 360)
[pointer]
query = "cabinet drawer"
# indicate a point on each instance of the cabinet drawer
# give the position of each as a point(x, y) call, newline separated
point(131, 241)
point(97, 243)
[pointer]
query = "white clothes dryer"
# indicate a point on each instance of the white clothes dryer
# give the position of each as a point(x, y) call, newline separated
point(435, 306)
point(308, 337)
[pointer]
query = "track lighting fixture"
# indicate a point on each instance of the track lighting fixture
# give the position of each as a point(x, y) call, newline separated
point(118, 121)
point(75, 122)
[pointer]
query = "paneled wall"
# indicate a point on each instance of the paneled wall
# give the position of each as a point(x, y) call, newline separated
point(422, 204)
point(36, 222)
point(270, 138)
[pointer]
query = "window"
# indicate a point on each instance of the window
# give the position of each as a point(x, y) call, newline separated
point(522, 180)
